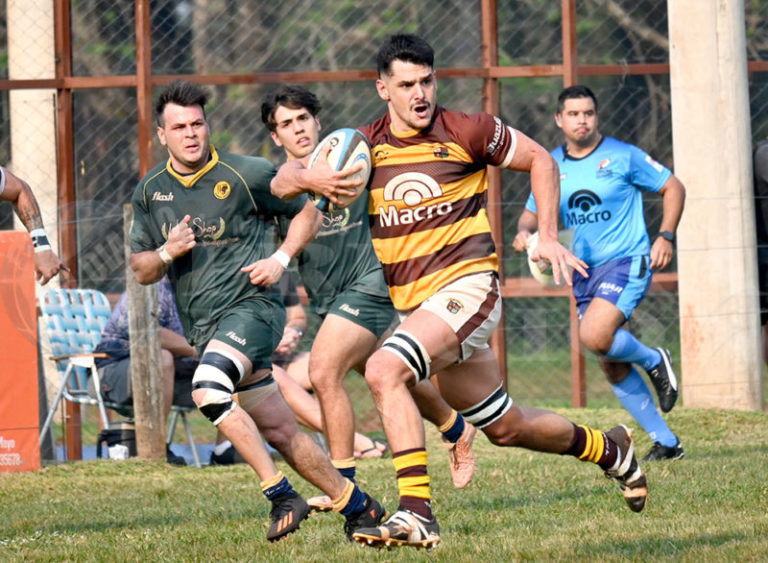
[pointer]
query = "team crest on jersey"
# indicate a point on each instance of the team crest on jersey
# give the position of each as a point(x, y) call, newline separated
point(454, 306)
point(222, 190)
point(440, 152)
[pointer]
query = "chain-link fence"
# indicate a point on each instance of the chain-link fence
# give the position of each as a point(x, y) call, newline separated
point(223, 43)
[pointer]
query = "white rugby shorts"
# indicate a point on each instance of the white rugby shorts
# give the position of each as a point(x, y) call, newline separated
point(471, 306)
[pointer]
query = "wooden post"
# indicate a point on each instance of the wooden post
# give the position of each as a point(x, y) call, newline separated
point(146, 363)
point(578, 362)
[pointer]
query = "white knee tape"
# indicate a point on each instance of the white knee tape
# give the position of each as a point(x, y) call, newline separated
point(410, 350)
point(489, 410)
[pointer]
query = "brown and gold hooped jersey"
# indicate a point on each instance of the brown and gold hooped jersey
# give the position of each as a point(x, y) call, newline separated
point(428, 196)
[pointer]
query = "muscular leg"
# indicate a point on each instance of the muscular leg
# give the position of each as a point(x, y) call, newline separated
point(169, 372)
point(339, 346)
point(600, 331)
point(598, 328)
point(307, 409)
point(276, 421)
point(469, 383)
point(430, 403)
point(298, 369)
point(238, 427)
point(304, 406)
point(458, 434)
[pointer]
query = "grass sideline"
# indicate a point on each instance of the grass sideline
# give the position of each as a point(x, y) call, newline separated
point(710, 506)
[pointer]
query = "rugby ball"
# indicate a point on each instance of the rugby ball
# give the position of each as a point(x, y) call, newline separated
point(348, 148)
point(542, 270)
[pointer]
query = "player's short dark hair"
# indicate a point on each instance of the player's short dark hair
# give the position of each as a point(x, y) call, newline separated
point(293, 97)
point(407, 48)
point(182, 93)
point(572, 92)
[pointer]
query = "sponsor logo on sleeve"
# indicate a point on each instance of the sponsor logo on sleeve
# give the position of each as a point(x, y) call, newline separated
point(656, 166)
point(493, 146)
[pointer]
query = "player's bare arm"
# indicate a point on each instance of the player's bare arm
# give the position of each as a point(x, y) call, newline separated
point(526, 226)
point(18, 192)
point(301, 231)
point(531, 157)
point(150, 265)
point(673, 201)
point(294, 178)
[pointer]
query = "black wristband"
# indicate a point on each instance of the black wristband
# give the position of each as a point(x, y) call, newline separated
point(667, 235)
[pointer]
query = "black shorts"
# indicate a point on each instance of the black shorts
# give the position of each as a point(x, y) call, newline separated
point(116, 386)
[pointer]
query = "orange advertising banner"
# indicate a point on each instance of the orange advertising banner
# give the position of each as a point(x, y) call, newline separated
point(19, 418)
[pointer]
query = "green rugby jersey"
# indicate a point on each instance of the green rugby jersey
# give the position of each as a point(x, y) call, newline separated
point(341, 257)
point(232, 214)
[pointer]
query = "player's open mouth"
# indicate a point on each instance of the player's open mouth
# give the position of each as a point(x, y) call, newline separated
point(421, 110)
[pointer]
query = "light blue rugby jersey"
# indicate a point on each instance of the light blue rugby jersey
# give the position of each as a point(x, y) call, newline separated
point(600, 199)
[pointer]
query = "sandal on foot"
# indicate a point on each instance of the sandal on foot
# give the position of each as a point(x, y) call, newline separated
point(377, 449)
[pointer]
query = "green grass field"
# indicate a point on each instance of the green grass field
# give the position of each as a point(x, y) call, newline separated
point(710, 506)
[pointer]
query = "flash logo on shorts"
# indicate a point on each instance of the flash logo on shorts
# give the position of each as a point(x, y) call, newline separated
point(454, 306)
point(232, 335)
point(347, 309)
point(608, 287)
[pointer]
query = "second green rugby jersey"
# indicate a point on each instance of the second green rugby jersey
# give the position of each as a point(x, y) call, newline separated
point(341, 257)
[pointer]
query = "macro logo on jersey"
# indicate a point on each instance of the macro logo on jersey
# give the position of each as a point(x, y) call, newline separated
point(203, 229)
point(222, 190)
point(584, 207)
point(413, 189)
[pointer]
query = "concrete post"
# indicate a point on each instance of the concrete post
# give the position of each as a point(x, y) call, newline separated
point(33, 119)
point(717, 269)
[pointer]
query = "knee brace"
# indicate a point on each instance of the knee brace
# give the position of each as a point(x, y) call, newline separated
point(250, 396)
point(489, 410)
point(410, 350)
point(218, 373)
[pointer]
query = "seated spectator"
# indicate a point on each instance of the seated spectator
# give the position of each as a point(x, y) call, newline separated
point(179, 358)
